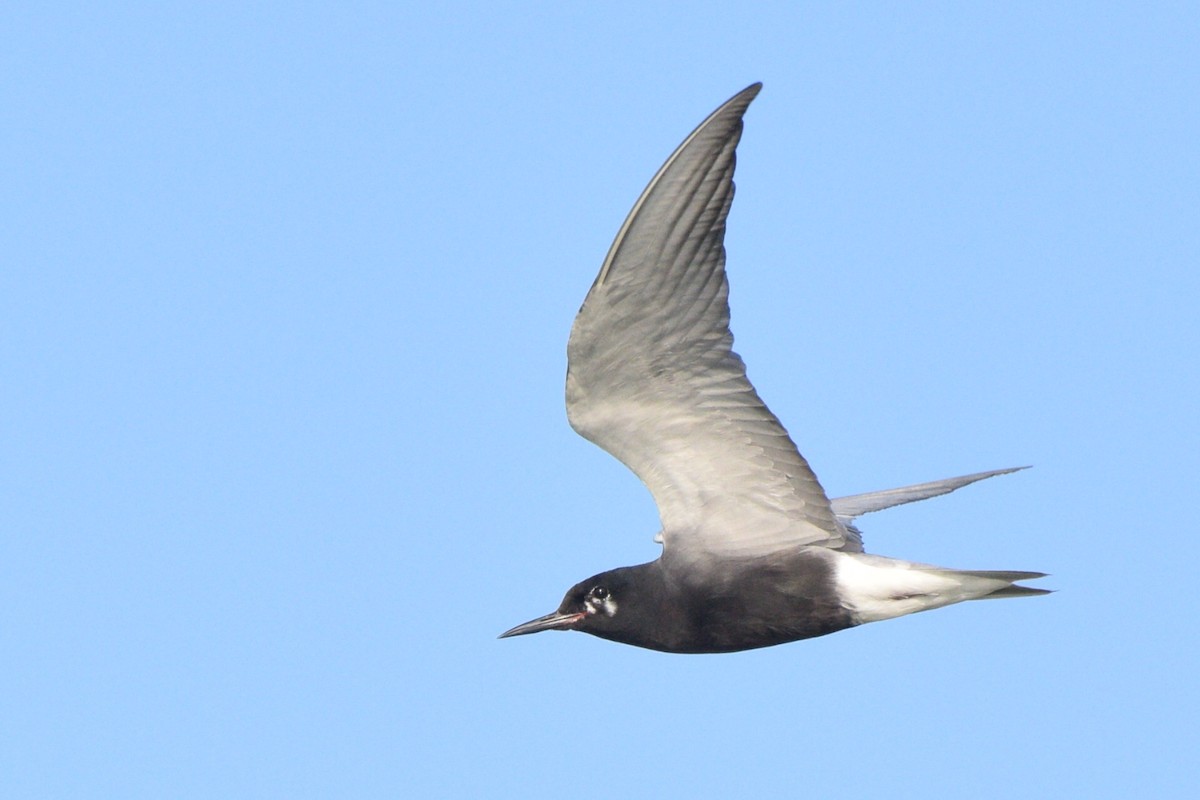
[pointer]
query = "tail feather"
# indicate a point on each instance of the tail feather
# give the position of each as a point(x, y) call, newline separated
point(979, 583)
point(999, 574)
point(1015, 591)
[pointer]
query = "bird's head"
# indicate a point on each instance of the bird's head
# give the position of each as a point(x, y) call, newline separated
point(604, 605)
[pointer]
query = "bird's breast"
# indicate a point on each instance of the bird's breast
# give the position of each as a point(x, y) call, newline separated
point(765, 602)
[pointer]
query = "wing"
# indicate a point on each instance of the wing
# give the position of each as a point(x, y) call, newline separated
point(847, 508)
point(653, 380)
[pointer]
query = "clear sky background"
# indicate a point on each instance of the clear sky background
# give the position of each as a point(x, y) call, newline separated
point(284, 300)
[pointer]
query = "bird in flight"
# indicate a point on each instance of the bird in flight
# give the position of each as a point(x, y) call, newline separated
point(754, 552)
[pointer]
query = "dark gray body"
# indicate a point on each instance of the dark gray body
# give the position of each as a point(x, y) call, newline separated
point(753, 604)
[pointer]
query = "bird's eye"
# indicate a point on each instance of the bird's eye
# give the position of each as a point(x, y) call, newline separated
point(599, 592)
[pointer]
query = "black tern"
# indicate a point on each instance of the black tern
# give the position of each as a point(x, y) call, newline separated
point(754, 552)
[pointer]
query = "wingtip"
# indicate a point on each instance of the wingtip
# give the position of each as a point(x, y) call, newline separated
point(745, 96)
point(726, 125)
point(991, 473)
point(741, 101)
point(856, 505)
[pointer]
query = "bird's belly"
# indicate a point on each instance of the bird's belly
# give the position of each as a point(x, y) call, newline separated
point(771, 603)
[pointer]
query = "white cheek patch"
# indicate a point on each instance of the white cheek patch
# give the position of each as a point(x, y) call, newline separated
point(607, 606)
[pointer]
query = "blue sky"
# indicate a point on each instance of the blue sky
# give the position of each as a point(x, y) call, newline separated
point(284, 305)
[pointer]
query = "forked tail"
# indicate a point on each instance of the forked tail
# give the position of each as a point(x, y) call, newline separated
point(1012, 589)
point(875, 588)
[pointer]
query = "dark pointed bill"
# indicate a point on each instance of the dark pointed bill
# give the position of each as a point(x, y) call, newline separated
point(555, 621)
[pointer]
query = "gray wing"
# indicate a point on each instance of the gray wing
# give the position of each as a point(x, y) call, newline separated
point(847, 508)
point(653, 380)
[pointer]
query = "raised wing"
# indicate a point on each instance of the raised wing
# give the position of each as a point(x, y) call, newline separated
point(653, 380)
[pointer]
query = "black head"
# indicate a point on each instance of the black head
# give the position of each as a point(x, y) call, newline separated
point(621, 604)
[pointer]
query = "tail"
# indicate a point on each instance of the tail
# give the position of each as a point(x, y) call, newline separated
point(1012, 589)
point(874, 588)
